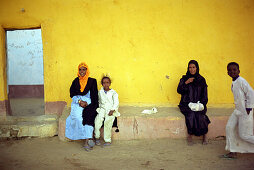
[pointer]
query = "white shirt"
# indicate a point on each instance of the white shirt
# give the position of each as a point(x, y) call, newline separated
point(243, 94)
point(108, 101)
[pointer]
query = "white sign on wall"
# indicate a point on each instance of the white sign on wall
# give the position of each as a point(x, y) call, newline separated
point(24, 57)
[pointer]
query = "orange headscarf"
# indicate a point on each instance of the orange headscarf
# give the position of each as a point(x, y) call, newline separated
point(83, 80)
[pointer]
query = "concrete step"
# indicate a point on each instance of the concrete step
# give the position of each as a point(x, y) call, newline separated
point(34, 126)
point(167, 123)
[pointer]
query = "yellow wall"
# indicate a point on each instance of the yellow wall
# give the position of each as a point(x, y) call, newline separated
point(3, 92)
point(139, 42)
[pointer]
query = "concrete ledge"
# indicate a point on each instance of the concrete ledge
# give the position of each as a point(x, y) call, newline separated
point(62, 122)
point(35, 126)
point(4, 106)
point(54, 107)
point(167, 123)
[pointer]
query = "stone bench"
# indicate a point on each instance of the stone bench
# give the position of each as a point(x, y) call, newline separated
point(168, 122)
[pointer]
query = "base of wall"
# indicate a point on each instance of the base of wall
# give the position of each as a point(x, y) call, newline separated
point(5, 108)
point(167, 123)
point(22, 91)
point(50, 107)
point(55, 107)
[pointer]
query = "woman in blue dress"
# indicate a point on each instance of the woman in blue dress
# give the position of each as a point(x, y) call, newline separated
point(84, 94)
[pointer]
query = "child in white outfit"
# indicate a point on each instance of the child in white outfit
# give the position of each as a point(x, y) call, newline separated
point(107, 111)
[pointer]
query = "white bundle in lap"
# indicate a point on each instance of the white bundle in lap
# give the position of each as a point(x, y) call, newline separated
point(153, 110)
point(196, 106)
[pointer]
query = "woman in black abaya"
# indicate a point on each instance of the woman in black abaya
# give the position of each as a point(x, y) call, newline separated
point(193, 88)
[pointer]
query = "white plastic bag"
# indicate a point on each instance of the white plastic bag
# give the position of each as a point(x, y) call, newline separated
point(196, 106)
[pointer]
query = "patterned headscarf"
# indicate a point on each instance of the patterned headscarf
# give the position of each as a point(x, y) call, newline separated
point(83, 80)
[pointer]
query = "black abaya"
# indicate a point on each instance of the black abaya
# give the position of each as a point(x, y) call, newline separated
point(89, 112)
point(196, 121)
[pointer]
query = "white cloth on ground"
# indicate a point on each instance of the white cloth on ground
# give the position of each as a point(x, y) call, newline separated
point(239, 129)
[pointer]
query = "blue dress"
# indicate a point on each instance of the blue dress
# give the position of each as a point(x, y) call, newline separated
point(74, 128)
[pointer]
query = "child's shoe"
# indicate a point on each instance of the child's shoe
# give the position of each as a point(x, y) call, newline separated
point(97, 142)
point(107, 144)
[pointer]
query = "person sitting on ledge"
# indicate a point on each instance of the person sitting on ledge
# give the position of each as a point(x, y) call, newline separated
point(84, 94)
point(193, 90)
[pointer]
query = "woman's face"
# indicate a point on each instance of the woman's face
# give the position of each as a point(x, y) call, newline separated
point(192, 69)
point(82, 71)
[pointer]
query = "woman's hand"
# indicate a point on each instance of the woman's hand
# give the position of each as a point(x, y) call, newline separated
point(82, 103)
point(111, 112)
point(189, 80)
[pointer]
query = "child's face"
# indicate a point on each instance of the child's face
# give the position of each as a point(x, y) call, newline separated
point(82, 71)
point(106, 83)
point(192, 69)
point(233, 71)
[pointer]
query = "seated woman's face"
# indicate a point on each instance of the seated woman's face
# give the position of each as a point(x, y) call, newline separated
point(192, 69)
point(82, 71)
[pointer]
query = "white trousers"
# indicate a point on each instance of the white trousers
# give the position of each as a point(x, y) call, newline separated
point(108, 123)
point(239, 132)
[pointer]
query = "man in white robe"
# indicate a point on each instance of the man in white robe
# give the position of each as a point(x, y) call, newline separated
point(239, 129)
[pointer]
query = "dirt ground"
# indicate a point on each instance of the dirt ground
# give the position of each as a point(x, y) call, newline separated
point(160, 154)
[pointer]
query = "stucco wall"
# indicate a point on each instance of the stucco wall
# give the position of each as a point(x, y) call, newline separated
point(145, 45)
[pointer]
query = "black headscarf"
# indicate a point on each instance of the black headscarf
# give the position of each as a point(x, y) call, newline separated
point(188, 74)
point(198, 78)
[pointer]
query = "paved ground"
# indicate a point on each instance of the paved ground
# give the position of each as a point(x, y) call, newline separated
point(161, 154)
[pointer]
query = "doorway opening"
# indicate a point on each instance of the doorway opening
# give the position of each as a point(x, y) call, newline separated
point(25, 74)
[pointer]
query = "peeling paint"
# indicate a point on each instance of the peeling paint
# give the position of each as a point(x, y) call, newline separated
point(132, 44)
point(177, 131)
point(14, 132)
point(135, 127)
point(161, 87)
point(175, 118)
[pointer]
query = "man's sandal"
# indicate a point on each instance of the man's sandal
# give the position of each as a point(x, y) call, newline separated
point(91, 143)
point(227, 156)
point(87, 148)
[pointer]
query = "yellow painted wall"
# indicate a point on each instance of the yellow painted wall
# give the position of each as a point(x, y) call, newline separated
point(3, 92)
point(139, 42)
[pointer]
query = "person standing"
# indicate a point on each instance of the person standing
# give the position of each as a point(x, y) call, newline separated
point(239, 129)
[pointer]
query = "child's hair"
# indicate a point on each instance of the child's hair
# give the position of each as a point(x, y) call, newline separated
point(233, 64)
point(105, 77)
